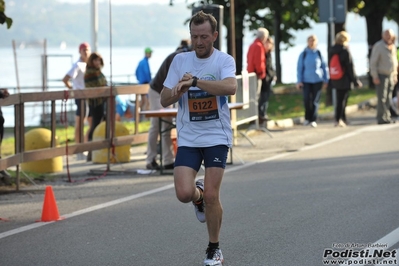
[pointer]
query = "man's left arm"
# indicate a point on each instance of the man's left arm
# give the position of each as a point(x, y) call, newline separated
point(227, 86)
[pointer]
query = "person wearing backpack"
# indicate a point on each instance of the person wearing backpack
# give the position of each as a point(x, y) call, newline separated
point(312, 77)
point(342, 75)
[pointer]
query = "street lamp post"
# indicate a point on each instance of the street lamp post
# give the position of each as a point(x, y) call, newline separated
point(94, 25)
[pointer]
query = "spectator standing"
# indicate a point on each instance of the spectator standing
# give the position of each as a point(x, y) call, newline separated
point(201, 81)
point(343, 85)
point(4, 175)
point(256, 61)
point(393, 109)
point(76, 74)
point(312, 77)
point(143, 75)
point(154, 96)
point(384, 71)
point(95, 78)
point(266, 88)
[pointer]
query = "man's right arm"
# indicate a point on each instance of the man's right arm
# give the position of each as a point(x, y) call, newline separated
point(166, 97)
point(67, 82)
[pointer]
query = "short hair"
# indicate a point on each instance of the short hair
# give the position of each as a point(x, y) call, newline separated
point(201, 17)
point(271, 41)
point(312, 36)
point(184, 42)
point(262, 33)
point(184, 45)
point(93, 57)
point(342, 38)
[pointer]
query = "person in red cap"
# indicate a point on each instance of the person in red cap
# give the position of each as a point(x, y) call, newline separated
point(76, 75)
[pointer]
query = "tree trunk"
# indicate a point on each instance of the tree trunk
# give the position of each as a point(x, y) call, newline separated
point(277, 37)
point(239, 33)
point(374, 33)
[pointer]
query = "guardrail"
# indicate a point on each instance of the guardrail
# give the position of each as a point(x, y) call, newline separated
point(19, 101)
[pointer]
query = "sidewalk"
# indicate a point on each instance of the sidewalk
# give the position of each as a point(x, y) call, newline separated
point(290, 122)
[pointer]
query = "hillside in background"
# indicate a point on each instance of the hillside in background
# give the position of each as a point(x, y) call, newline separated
point(132, 25)
point(71, 23)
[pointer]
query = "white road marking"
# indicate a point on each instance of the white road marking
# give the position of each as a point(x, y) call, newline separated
point(392, 237)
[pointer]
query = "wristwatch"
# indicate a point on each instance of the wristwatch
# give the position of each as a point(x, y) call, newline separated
point(194, 84)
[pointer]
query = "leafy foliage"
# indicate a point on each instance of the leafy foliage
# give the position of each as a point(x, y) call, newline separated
point(3, 17)
point(294, 14)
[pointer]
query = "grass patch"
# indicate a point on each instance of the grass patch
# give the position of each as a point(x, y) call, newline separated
point(283, 106)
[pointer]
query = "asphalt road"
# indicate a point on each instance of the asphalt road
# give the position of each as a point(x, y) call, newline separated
point(286, 201)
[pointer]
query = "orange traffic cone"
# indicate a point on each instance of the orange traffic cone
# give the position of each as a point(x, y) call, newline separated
point(50, 209)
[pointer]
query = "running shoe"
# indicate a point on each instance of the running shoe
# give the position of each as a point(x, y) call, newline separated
point(199, 206)
point(214, 257)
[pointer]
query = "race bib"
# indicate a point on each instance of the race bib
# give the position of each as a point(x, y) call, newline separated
point(202, 106)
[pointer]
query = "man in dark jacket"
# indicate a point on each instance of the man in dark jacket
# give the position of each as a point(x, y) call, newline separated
point(4, 175)
point(266, 88)
point(154, 95)
point(346, 82)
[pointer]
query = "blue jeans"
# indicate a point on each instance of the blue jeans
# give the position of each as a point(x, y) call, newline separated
point(311, 99)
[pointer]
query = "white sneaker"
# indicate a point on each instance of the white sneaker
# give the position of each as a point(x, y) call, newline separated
point(199, 207)
point(306, 122)
point(313, 124)
point(213, 257)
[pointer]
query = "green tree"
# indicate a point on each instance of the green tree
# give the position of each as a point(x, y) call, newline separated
point(374, 12)
point(393, 13)
point(281, 17)
point(287, 14)
point(3, 17)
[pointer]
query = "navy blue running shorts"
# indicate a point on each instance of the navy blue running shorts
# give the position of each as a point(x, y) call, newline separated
point(77, 102)
point(215, 156)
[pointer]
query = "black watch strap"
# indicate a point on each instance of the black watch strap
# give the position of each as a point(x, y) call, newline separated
point(194, 84)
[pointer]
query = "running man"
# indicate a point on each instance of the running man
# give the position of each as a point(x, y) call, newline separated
point(201, 81)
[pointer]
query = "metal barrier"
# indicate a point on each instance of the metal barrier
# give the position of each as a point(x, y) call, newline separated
point(247, 85)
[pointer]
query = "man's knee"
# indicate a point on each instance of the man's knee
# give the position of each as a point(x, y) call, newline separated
point(211, 197)
point(184, 194)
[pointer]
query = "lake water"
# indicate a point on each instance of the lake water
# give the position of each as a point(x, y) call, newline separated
point(120, 64)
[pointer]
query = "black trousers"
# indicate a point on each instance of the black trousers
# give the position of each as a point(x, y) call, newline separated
point(395, 90)
point(97, 118)
point(1, 127)
point(263, 101)
point(342, 101)
point(311, 100)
